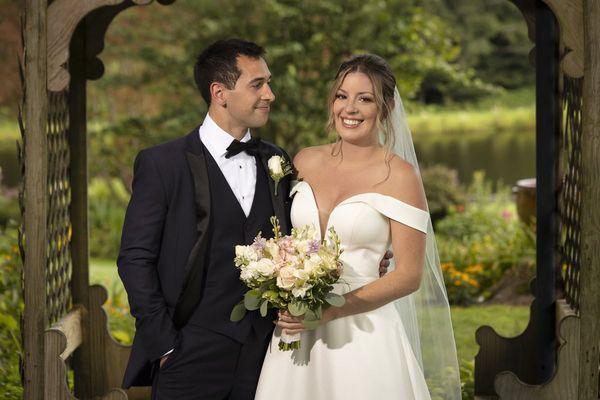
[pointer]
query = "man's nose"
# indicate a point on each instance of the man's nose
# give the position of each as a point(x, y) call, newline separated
point(268, 93)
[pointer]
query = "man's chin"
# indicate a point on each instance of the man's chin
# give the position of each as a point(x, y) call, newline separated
point(259, 121)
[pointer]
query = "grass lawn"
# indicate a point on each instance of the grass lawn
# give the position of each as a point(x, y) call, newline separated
point(507, 320)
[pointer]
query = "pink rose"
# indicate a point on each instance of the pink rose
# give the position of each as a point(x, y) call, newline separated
point(286, 278)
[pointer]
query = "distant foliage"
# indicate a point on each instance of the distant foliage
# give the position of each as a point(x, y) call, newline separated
point(443, 190)
point(108, 200)
point(148, 95)
point(479, 241)
point(11, 307)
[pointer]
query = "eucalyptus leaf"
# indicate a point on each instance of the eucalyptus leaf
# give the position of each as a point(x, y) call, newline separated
point(238, 312)
point(335, 299)
point(297, 309)
point(251, 300)
point(310, 315)
point(263, 308)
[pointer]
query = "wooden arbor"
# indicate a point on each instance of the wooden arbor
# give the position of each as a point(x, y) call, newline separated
point(557, 356)
point(62, 39)
point(63, 314)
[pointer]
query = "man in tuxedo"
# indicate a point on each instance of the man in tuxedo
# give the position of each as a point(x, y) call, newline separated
point(193, 200)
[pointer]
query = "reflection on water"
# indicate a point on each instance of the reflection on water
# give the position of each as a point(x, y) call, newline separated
point(505, 157)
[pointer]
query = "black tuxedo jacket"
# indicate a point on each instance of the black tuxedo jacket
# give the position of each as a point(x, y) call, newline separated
point(164, 241)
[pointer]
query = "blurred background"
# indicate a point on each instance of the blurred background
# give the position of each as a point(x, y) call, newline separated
point(462, 69)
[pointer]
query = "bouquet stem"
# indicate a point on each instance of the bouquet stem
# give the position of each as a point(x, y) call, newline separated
point(289, 342)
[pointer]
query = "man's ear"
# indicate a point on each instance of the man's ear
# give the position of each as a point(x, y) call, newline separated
point(218, 94)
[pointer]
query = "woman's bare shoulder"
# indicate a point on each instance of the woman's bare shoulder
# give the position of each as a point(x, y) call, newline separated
point(311, 157)
point(404, 183)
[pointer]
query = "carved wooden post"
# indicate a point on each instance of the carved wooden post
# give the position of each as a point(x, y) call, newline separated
point(590, 212)
point(36, 198)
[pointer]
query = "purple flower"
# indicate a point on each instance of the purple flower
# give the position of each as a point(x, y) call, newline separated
point(313, 246)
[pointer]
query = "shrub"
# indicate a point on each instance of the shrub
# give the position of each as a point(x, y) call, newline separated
point(108, 200)
point(443, 190)
point(11, 307)
point(480, 241)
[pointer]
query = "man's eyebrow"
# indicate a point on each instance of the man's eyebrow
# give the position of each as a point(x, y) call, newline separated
point(259, 79)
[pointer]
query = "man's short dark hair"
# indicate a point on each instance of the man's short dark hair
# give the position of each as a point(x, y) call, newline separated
point(218, 63)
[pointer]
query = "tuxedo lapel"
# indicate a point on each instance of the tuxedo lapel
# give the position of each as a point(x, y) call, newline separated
point(194, 270)
point(278, 200)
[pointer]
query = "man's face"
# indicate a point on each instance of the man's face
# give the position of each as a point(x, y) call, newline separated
point(249, 103)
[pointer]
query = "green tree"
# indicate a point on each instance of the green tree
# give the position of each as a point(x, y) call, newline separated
point(148, 94)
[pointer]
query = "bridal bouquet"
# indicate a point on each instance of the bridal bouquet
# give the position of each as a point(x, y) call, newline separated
point(294, 273)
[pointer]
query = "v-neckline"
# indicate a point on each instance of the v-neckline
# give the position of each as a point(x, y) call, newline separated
point(316, 204)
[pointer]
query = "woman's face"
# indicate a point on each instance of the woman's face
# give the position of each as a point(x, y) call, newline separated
point(355, 110)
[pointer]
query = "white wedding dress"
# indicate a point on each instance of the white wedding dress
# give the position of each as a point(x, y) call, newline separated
point(363, 356)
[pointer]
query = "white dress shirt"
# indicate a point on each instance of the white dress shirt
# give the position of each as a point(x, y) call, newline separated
point(239, 170)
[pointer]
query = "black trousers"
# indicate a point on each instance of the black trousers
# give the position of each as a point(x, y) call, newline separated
point(206, 365)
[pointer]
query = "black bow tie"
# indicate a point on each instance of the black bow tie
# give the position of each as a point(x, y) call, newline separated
point(236, 147)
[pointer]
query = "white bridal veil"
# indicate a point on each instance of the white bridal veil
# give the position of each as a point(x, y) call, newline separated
point(426, 312)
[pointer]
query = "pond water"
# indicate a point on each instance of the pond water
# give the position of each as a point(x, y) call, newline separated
point(505, 157)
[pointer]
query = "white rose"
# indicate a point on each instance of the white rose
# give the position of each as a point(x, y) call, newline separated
point(286, 278)
point(265, 268)
point(301, 275)
point(275, 165)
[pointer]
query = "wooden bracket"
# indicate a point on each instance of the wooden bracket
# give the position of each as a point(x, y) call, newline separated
point(63, 17)
point(110, 356)
point(564, 383)
point(569, 14)
point(498, 353)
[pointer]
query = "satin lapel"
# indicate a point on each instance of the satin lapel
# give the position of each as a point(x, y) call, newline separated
point(194, 270)
point(277, 201)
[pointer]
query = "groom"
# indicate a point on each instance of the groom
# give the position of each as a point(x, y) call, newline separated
point(193, 200)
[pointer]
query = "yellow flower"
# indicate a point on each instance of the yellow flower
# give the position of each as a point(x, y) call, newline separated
point(457, 283)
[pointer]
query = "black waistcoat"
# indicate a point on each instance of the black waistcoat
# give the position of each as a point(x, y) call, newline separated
point(229, 227)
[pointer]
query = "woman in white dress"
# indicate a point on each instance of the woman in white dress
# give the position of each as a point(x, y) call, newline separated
point(373, 347)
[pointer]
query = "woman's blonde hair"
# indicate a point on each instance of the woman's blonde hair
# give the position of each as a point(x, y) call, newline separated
point(384, 85)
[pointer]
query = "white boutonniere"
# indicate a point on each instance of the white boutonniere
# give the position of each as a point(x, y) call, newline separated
point(278, 168)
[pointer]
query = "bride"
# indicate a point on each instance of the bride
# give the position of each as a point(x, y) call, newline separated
point(392, 339)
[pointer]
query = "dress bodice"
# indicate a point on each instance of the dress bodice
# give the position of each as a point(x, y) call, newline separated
point(362, 223)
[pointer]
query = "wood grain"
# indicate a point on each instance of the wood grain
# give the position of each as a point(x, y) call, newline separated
point(36, 198)
point(590, 211)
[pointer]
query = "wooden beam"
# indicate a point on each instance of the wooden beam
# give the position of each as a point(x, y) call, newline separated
point(78, 178)
point(589, 297)
point(36, 198)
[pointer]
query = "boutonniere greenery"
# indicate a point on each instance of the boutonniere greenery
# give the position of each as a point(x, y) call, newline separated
point(278, 168)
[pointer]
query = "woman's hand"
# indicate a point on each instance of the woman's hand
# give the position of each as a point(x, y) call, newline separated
point(293, 325)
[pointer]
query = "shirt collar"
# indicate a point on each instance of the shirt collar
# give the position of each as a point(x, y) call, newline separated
point(216, 139)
